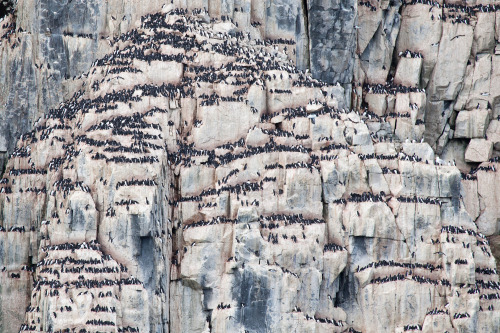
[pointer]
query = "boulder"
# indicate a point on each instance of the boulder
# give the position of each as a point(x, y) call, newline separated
point(478, 150)
point(376, 103)
point(408, 71)
point(484, 33)
point(421, 150)
point(493, 133)
point(472, 124)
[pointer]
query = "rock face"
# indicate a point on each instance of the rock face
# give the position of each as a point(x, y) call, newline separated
point(191, 178)
point(478, 150)
point(45, 45)
point(112, 298)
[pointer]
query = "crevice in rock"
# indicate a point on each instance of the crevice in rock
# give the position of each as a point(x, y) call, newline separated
point(209, 321)
point(306, 26)
point(3, 163)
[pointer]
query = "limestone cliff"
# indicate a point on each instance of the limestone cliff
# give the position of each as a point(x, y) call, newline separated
point(248, 166)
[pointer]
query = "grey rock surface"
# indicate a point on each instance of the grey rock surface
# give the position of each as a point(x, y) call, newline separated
point(197, 166)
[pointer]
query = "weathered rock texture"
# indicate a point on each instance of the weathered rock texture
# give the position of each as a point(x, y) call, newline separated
point(186, 176)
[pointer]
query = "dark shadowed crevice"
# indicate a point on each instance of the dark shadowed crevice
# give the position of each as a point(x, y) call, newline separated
point(395, 56)
point(209, 321)
point(145, 261)
point(306, 26)
point(3, 163)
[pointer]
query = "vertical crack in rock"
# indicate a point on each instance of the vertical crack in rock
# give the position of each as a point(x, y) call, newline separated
point(305, 11)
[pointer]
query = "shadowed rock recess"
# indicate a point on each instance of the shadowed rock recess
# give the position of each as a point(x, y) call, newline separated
point(251, 166)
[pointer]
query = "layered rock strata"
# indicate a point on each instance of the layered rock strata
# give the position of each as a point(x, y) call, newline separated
point(197, 181)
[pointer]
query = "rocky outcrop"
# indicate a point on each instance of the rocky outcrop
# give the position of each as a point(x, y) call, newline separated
point(192, 178)
point(46, 45)
point(446, 50)
point(78, 286)
point(197, 181)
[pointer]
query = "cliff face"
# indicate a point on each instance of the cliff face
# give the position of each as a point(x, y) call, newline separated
point(179, 172)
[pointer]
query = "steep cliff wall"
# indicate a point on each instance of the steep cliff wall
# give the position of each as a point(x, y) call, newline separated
point(182, 171)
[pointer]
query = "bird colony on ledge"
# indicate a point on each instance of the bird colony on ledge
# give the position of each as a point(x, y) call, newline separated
point(197, 181)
